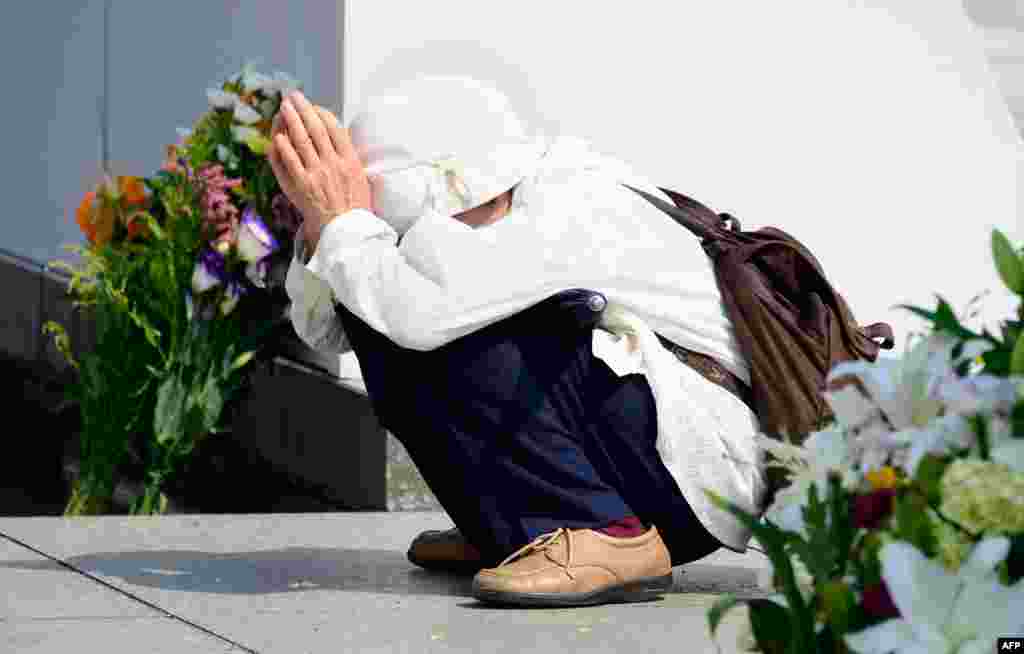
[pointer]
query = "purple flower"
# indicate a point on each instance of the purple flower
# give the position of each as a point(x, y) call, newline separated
point(209, 271)
point(255, 242)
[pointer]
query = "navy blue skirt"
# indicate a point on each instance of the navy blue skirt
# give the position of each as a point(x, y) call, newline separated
point(519, 429)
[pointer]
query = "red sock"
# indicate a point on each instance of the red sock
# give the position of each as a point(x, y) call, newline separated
point(628, 527)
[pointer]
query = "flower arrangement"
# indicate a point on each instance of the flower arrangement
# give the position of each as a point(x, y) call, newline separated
point(902, 527)
point(179, 269)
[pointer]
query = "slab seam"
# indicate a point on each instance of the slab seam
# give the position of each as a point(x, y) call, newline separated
point(127, 594)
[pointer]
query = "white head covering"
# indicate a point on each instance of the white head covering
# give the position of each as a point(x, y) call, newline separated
point(442, 143)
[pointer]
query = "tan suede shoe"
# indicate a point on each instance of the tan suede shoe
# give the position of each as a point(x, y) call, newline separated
point(579, 567)
point(446, 551)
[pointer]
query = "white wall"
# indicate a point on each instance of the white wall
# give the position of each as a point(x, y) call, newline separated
point(873, 130)
point(162, 58)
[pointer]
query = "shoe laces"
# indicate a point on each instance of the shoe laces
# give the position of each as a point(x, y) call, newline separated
point(544, 543)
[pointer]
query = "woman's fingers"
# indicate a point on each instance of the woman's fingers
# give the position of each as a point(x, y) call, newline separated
point(313, 123)
point(284, 154)
point(298, 135)
point(331, 127)
point(340, 137)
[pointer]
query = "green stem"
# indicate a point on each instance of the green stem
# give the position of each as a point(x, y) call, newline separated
point(151, 500)
point(981, 427)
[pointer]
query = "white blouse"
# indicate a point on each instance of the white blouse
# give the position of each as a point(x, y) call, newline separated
point(571, 225)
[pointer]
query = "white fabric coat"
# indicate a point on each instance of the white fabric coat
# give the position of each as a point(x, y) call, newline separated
point(571, 225)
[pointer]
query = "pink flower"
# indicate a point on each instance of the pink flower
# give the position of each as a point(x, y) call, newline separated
point(220, 215)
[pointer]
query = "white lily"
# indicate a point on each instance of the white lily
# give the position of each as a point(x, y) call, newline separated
point(980, 393)
point(903, 403)
point(282, 83)
point(253, 81)
point(246, 114)
point(822, 452)
point(220, 99)
point(255, 241)
point(944, 613)
point(937, 437)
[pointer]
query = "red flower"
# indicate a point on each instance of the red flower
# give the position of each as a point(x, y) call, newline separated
point(878, 603)
point(869, 511)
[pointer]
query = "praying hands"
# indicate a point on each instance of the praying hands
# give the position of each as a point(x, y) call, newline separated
point(316, 165)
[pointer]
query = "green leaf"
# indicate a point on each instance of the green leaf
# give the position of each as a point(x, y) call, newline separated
point(1008, 264)
point(772, 626)
point(918, 311)
point(944, 314)
point(912, 523)
point(929, 477)
point(1017, 415)
point(241, 361)
point(869, 568)
point(1017, 358)
point(839, 602)
point(718, 610)
point(944, 319)
point(842, 531)
point(1015, 559)
point(774, 541)
point(168, 418)
point(818, 552)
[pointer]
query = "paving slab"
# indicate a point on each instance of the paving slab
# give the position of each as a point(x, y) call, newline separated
point(47, 608)
point(340, 582)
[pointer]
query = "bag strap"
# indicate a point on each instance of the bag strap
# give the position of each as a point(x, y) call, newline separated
point(724, 221)
point(883, 331)
point(694, 219)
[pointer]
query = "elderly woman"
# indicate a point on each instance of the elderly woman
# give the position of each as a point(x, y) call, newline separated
point(551, 349)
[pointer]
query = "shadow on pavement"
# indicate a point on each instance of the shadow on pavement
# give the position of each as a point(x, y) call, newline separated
point(309, 569)
point(265, 572)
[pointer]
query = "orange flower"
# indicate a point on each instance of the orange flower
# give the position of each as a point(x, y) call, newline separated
point(132, 190)
point(83, 216)
point(103, 221)
point(137, 226)
point(96, 218)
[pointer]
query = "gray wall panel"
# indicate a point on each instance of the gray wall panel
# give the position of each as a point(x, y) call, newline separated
point(163, 58)
point(19, 318)
point(53, 85)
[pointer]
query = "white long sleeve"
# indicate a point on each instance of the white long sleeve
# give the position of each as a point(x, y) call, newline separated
point(444, 281)
point(312, 305)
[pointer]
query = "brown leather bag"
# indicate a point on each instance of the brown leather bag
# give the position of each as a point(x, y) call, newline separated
point(791, 325)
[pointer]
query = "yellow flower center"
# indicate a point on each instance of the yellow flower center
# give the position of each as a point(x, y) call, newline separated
point(884, 477)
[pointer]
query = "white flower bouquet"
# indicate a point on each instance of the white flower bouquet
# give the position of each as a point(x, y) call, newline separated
point(902, 527)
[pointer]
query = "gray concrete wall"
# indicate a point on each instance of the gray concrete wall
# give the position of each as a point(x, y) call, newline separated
point(162, 57)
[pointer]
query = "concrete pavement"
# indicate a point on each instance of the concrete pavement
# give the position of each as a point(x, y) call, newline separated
point(308, 583)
